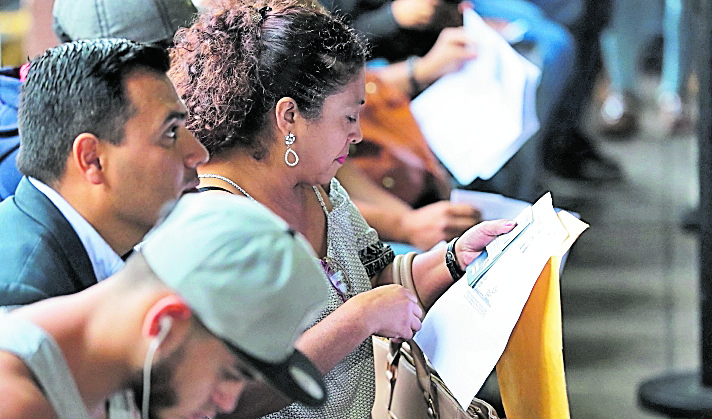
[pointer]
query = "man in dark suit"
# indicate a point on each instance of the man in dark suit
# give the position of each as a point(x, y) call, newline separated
point(103, 147)
point(141, 21)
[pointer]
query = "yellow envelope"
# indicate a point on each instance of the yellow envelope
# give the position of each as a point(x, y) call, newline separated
point(531, 370)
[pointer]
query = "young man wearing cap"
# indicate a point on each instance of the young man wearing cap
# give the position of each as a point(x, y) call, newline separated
point(217, 294)
point(103, 148)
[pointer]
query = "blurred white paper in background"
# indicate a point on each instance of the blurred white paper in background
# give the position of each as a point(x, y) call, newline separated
point(476, 119)
point(492, 206)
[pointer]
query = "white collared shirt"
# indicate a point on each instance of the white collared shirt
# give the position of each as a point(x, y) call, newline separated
point(103, 258)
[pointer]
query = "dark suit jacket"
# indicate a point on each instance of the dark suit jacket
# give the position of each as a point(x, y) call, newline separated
point(9, 137)
point(41, 255)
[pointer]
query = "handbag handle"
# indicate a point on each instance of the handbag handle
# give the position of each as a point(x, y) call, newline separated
point(422, 372)
point(425, 381)
point(403, 275)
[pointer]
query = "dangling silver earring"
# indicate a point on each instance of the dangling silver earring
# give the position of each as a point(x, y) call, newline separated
point(288, 141)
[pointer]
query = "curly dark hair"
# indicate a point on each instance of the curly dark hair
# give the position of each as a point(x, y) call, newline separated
point(234, 64)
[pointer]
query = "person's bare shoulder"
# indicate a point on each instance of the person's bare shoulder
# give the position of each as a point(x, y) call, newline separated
point(21, 398)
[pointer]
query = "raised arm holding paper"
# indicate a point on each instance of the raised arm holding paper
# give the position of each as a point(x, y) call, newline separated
point(467, 329)
point(496, 95)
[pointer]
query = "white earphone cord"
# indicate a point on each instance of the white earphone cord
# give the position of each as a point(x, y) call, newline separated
point(148, 363)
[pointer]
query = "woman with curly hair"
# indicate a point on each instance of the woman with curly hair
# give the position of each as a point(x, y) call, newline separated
point(274, 92)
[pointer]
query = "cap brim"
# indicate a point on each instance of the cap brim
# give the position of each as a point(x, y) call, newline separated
point(297, 377)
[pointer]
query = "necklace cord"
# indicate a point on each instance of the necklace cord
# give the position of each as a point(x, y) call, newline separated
point(226, 180)
point(244, 192)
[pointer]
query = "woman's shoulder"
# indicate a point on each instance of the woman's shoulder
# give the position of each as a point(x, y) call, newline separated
point(337, 194)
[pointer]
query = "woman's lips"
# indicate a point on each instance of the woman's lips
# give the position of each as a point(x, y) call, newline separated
point(341, 159)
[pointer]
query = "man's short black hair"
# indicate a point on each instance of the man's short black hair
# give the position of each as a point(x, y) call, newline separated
point(76, 88)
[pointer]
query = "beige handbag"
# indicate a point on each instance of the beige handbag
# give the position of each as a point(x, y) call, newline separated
point(407, 386)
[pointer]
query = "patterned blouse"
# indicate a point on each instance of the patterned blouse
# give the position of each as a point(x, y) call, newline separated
point(354, 255)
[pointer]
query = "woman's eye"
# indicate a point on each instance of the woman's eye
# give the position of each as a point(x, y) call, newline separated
point(351, 118)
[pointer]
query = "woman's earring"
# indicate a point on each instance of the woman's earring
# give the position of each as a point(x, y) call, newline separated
point(289, 140)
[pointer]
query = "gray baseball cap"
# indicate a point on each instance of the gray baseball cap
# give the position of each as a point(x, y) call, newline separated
point(137, 20)
point(251, 280)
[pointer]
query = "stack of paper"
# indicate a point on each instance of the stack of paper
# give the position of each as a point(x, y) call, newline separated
point(476, 119)
point(467, 329)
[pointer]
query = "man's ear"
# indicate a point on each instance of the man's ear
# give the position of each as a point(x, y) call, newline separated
point(286, 113)
point(86, 157)
point(169, 312)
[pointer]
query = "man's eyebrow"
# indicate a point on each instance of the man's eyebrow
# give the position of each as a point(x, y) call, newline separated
point(240, 372)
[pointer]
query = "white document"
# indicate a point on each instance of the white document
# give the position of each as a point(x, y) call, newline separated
point(476, 119)
point(466, 331)
point(492, 206)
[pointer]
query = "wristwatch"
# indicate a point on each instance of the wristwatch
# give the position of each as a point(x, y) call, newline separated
point(451, 261)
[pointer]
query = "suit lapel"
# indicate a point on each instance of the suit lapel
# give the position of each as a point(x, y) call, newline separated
point(37, 206)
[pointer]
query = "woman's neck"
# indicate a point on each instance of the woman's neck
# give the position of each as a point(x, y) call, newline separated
point(263, 180)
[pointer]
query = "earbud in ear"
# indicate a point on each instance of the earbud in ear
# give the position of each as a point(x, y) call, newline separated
point(165, 324)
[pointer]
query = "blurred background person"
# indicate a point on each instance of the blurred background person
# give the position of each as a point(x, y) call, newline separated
point(634, 26)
